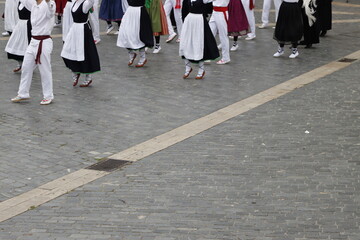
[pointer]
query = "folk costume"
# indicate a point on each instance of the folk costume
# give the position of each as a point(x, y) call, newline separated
point(238, 24)
point(289, 27)
point(111, 11)
point(325, 15)
point(135, 31)
point(20, 38)
point(219, 24)
point(197, 41)
point(311, 24)
point(79, 51)
point(175, 6)
point(38, 53)
point(11, 16)
point(67, 19)
point(249, 6)
point(158, 21)
point(266, 12)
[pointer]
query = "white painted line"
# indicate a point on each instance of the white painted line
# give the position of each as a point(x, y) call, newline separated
point(60, 186)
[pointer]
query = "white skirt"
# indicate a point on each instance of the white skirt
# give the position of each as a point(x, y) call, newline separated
point(11, 14)
point(192, 37)
point(18, 41)
point(129, 32)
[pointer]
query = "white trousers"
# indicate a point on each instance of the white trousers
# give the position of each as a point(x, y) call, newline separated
point(29, 66)
point(94, 21)
point(218, 24)
point(168, 6)
point(250, 16)
point(266, 10)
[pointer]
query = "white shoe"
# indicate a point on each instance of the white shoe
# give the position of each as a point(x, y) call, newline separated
point(279, 52)
point(222, 62)
point(250, 38)
point(294, 54)
point(19, 99)
point(157, 49)
point(171, 37)
point(219, 46)
point(116, 33)
point(178, 40)
point(45, 101)
point(5, 33)
point(263, 25)
point(234, 47)
point(109, 29)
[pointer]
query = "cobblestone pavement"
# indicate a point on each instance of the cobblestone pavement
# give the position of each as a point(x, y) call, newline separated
point(288, 169)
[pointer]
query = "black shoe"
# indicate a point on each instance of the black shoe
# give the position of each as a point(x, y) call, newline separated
point(323, 33)
point(308, 45)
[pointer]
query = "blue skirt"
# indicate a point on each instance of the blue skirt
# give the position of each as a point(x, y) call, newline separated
point(111, 10)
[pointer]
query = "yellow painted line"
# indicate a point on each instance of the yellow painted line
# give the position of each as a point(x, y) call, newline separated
point(346, 4)
point(60, 186)
point(346, 21)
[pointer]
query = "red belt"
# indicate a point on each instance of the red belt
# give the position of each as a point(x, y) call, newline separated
point(41, 38)
point(223, 10)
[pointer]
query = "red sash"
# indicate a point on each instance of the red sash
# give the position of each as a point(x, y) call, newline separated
point(223, 10)
point(41, 38)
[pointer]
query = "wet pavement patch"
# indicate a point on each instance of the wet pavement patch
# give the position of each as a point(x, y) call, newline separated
point(347, 60)
point(108, 165)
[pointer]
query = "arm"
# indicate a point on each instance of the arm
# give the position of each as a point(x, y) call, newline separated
point(88, 4)
point(51, 8)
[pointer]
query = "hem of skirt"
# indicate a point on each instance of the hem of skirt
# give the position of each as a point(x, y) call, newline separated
point(86, 73)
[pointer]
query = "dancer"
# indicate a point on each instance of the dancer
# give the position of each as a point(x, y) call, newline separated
point(311, 25)
point(289, 27)
point(158, 21)
point(219, 24)
point(266, 12)
point(175, 7)
point(135, 32)
point(197, 41)
point(325, 16)
point(11, 16)
point(249, 11)
point(38, 53)
point(111, 11)
point(79, 51)
point(60, 5)
point(20, 38)
point(238, 24)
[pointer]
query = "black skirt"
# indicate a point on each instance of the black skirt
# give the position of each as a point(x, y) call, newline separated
point(91, 63)
point(289, 25)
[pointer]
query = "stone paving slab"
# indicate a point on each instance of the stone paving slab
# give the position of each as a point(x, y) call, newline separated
point(128, 106)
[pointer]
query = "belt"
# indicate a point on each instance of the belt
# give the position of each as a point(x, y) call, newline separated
point(41, 38)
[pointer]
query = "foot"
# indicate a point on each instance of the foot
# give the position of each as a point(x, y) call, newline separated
point(76, 77)
point(219, 46)
point(263, 25)
point(19, 99)
point(157, 48)
point(187, 73)
point(323, 33)
point(308, 45)
point(109, 28)
point(141, 63)
point(17, 69)
point(6, 33)
point(131, 61)
point(234, 47)
point(87, 82)
point(200, 75)
point(178, 40)
point(279, 52)
point(302, 43)
point(250, 38)
point(171, 37)
point(222, 62)
point(97, 41)
point(46, 101)
point(294, 54)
